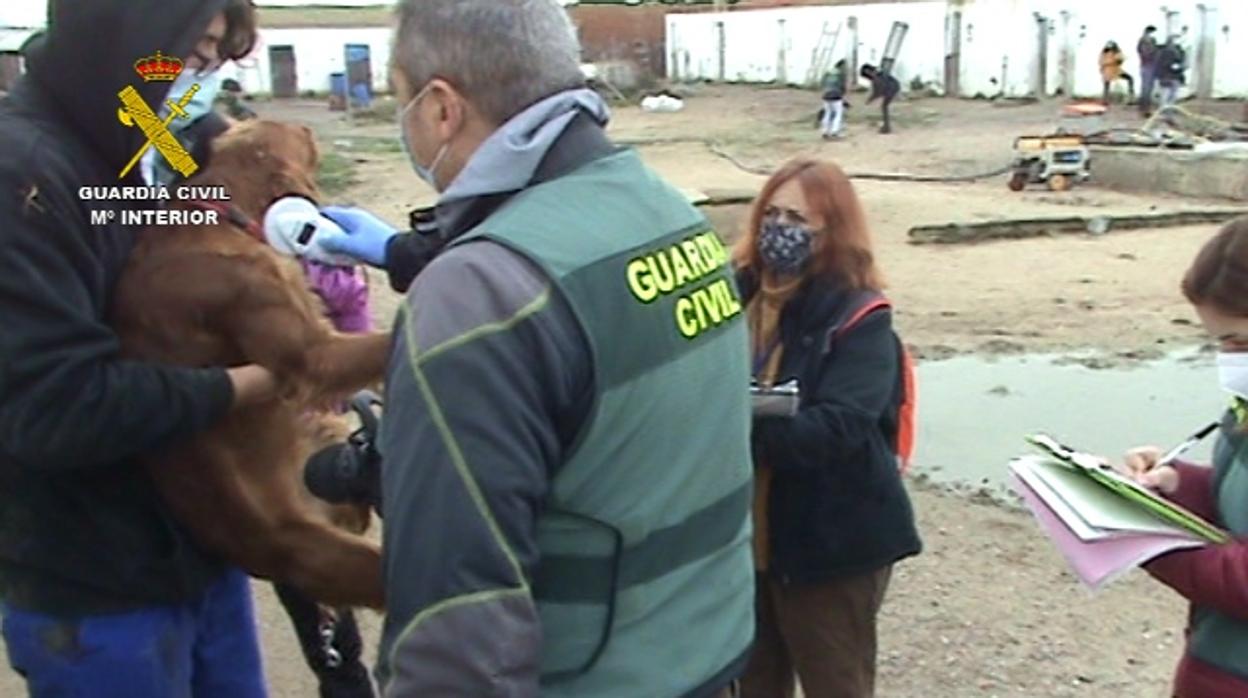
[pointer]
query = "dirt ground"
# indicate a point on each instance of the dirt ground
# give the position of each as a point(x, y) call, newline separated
point(988, 609)
point(1116, 292)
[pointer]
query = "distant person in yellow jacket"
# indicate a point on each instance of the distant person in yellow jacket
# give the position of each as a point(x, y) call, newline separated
point(1111, 71)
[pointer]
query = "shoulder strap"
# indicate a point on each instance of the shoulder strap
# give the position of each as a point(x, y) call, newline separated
point(903, 439)
point(863, 311)
point(856, 315)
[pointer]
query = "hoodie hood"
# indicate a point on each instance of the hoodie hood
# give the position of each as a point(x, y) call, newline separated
point(87, 55)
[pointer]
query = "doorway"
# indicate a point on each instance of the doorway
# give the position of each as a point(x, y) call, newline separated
point(1206, 49)
point(1040, 82)
point(359, 75)
point(284, 76)
point(953, 55)
point(721, 41)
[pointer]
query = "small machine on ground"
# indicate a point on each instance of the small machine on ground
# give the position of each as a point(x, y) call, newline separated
point(1059, 161)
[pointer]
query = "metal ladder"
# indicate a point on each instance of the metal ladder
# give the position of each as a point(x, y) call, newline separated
point(821, 59)
point(892, 49)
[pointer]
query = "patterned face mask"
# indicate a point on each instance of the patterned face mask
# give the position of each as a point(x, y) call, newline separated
point(785, 247)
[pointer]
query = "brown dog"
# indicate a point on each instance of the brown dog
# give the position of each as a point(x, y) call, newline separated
point(218, 296)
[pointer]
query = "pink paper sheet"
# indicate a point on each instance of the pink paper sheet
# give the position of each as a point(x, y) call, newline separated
point(1099, 562)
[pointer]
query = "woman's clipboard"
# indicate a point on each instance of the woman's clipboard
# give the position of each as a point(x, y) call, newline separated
point(1128, 489)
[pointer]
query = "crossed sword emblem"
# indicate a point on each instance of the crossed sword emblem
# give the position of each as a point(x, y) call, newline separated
point(136, 112)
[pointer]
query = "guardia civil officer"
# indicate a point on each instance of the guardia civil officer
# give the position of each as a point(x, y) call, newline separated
point(566, 455)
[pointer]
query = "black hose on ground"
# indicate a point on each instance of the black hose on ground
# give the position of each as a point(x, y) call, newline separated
point(876, 176)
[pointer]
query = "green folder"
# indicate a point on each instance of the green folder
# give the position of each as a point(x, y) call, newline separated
point(1126, 488)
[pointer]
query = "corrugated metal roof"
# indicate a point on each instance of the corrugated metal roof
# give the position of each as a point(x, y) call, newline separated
point(296, 17)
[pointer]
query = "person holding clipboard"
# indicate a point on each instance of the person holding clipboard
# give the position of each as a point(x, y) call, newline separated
point(1213, 578)
point(831, 513)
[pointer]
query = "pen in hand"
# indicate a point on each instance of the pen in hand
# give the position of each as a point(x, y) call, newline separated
point(1187, 444)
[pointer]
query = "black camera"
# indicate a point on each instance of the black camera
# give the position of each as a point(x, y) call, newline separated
point(350, 472)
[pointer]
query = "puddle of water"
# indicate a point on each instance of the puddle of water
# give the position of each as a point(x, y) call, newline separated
point(974, 412)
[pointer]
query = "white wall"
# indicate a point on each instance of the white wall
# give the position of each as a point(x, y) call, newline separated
point(1081, 29)
point(13, 39)
point(1231, 25)
point(318, 53)
point(28, 14)
point(1000, 42)
point(779, 44)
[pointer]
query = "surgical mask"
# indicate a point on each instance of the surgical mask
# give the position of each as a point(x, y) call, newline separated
point(1233, 373)
point(785, 247)
point(426, 173)
point(201, 102)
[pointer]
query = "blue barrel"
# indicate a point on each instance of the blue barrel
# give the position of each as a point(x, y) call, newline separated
point(338, 85)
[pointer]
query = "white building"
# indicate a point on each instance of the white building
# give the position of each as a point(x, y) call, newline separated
point(292, 57)
point(19, 19)
point(301, 43)
point(1013, 48)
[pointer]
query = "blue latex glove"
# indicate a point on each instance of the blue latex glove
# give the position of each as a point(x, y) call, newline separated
point(364, 235)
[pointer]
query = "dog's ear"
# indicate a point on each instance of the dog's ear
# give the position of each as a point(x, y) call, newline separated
point(314, 151)
point(291, 178)
point(299, 175)
point(236, 151)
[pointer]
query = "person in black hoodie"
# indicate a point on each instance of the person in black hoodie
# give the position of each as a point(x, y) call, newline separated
point(883, 85)
point(104, 594)
point(1171, 70)
point(831, 515)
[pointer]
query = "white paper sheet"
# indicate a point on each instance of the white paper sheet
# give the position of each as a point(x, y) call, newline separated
point(1097, 506)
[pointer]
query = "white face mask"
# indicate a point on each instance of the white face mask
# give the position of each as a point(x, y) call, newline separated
point(1233, 373)
point(429, 174)
point(201, 102)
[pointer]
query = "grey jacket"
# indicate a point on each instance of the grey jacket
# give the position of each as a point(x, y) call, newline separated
point(489, 382)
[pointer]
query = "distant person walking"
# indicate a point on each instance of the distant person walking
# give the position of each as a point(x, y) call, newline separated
point(1111, 71)
point(1148, 51)
point(882, 85)
point(833, 122)
point(1171, 70)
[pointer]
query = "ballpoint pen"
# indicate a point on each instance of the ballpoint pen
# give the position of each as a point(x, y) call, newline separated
point(1183, 447)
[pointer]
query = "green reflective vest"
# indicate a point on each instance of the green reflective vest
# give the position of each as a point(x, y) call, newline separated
point(1218, 639)
point(645, 584)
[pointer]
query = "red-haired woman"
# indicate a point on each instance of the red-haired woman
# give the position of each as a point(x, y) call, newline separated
point(1214, 578)
point(831, 513)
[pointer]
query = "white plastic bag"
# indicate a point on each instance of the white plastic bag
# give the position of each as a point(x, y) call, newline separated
point(662, 104)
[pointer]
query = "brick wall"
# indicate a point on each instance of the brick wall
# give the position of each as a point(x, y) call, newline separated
point(613, 33)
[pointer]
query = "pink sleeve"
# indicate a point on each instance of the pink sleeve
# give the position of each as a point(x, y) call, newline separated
point(1214, 577)
point(1195, 491)
point(345, 293)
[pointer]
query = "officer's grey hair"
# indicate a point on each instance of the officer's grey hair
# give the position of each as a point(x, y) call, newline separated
point(503, 55)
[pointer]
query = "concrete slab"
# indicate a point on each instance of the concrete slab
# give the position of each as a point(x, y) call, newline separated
point(1220, 174)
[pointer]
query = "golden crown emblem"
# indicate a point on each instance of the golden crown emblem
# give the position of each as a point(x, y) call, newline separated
point(158, 68)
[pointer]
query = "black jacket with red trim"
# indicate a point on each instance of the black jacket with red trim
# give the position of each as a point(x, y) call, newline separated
point(837, 506)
